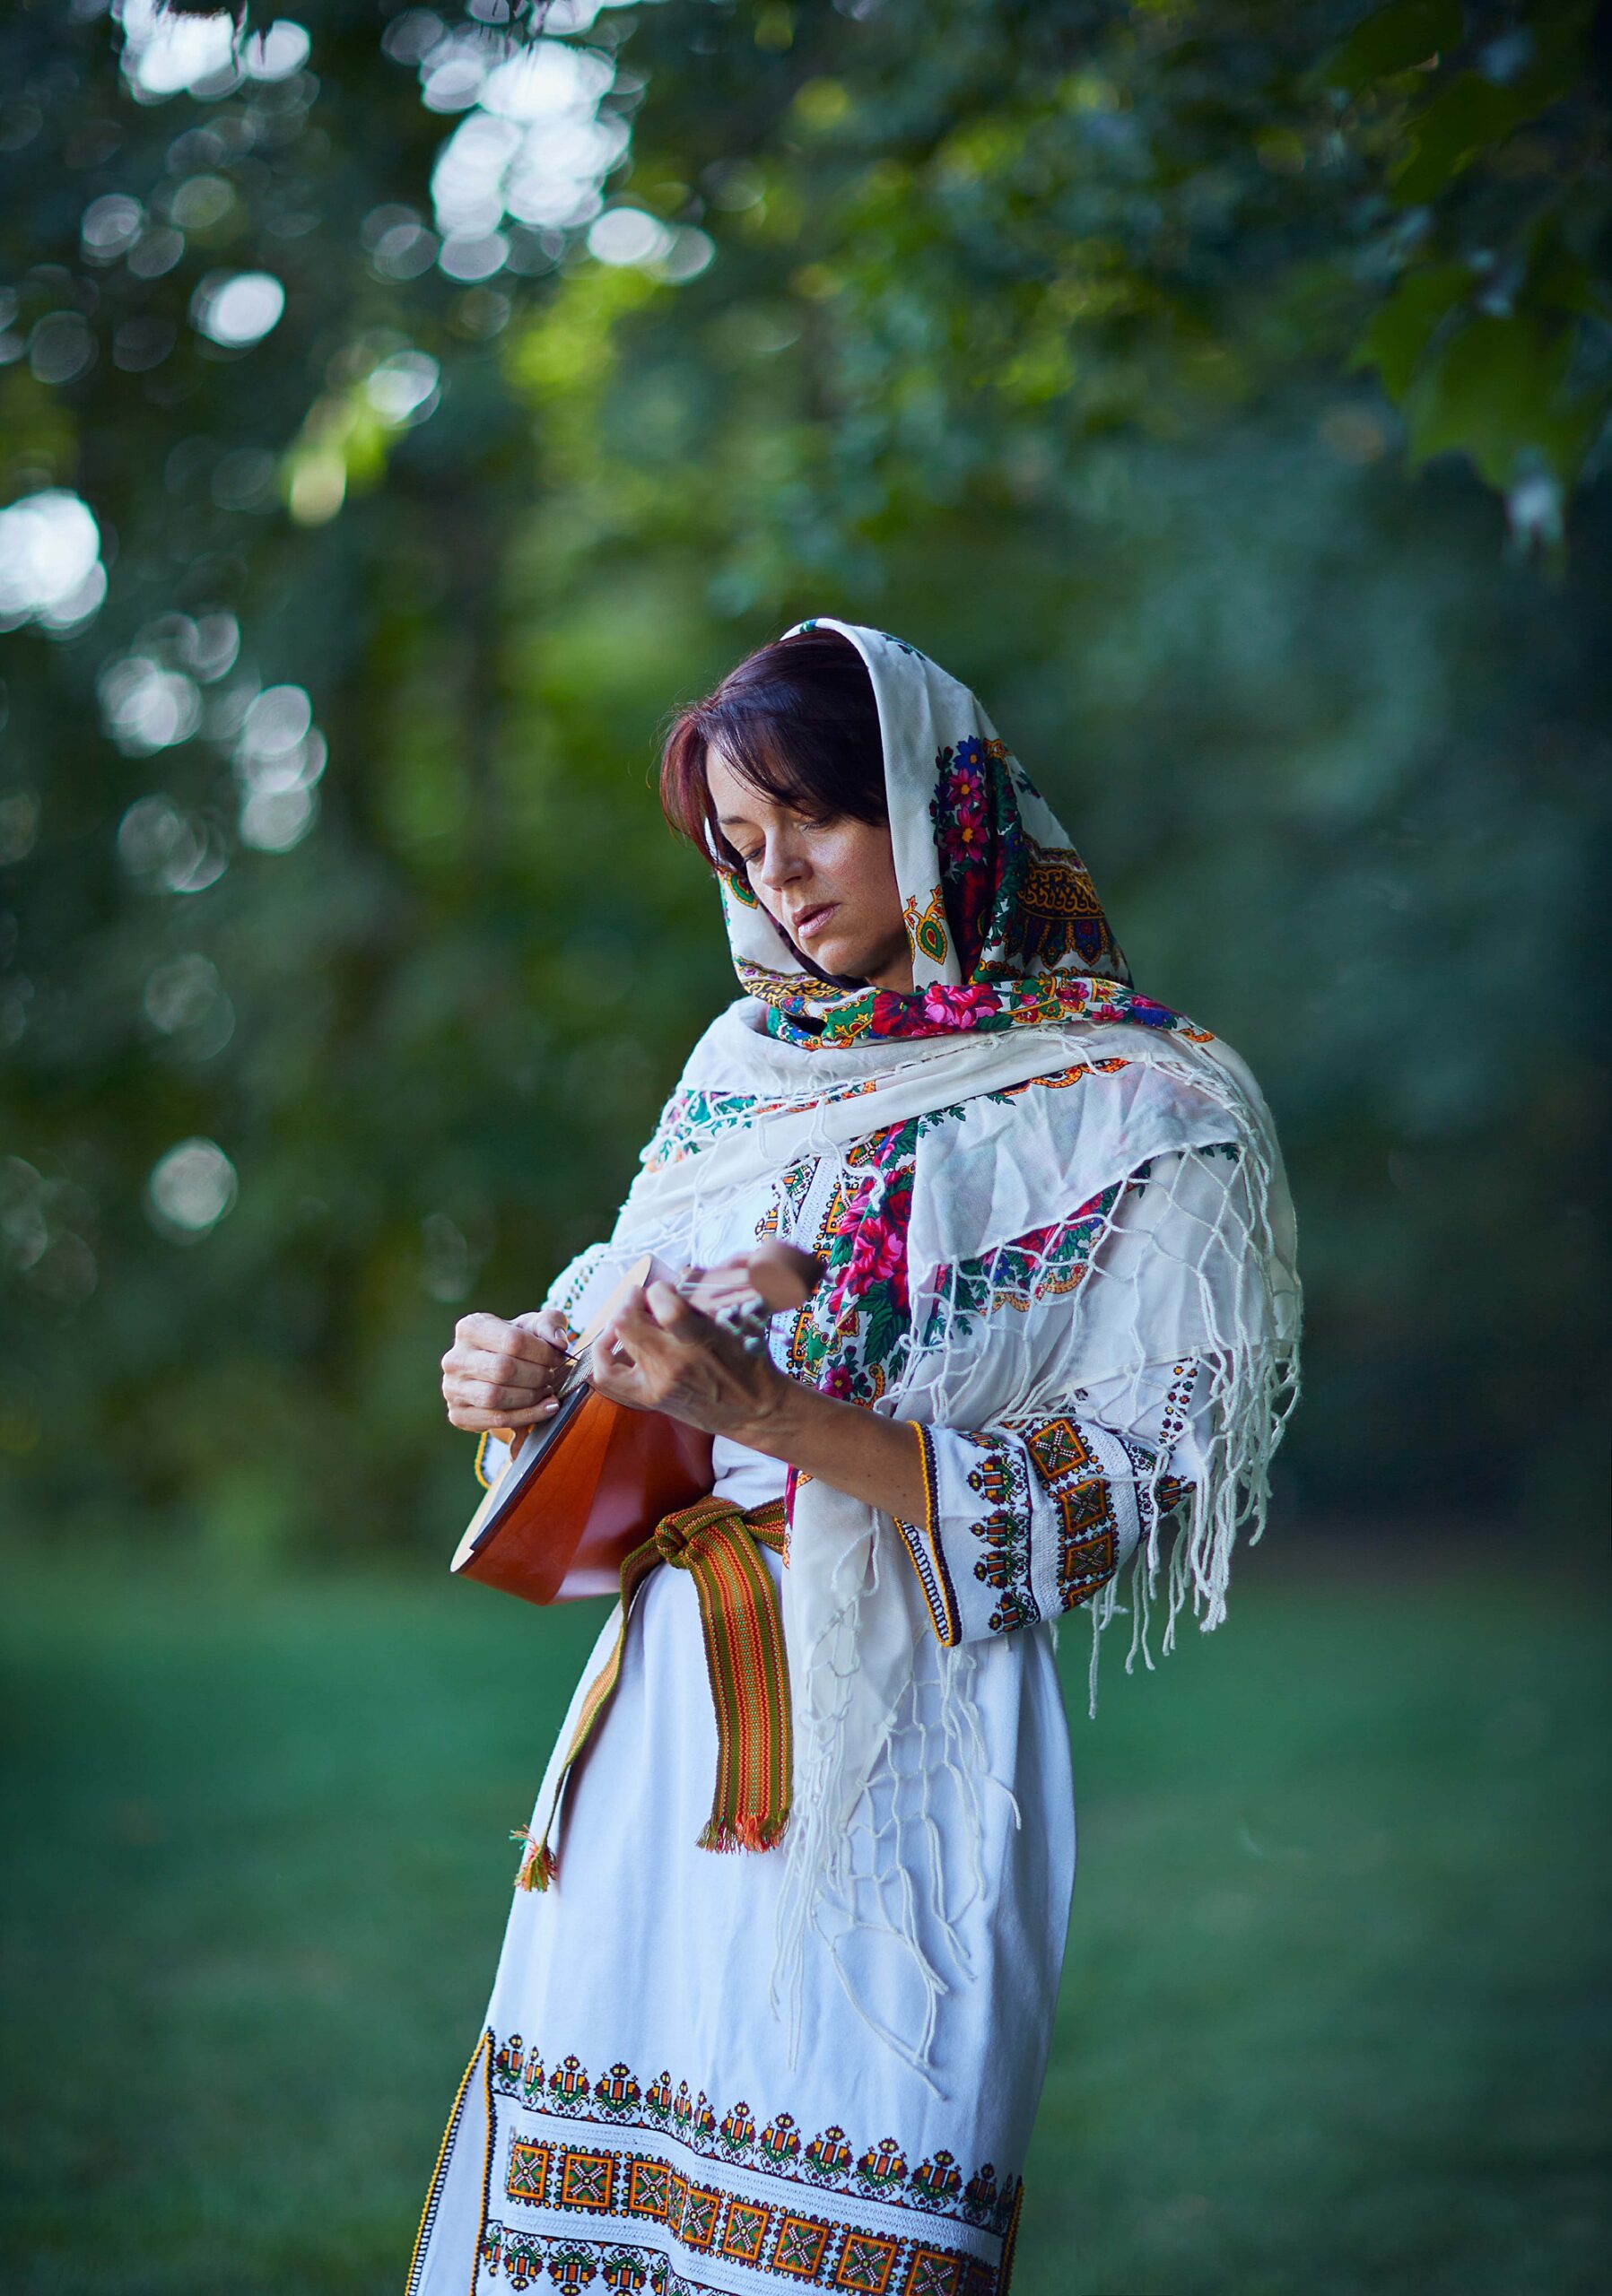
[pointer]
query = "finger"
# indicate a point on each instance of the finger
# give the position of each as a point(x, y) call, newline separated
point(516, 1372)
point(611, 1348)
point(487, 1422)
point(517, 1404)
point(477, 1416)
point(678, 1317)
point(630, 1309)
point(608, 1373)
point(630, 1327)
point(498, 1336)
point(617, 1379)
point(521, 1405)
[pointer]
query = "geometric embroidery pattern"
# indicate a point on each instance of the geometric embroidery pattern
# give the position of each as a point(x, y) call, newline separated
point(588, 2181)
point(1088, 1547)
point(1085, 1564)
point(597, 2172)
point(817, 2243)
point(693, 2212)
point(811, 2249)
point(801, 2242)
point(528, 2170)
point(525, 2259)
point(1020, 1474)
point(745, 2232)
point(866, 2263)
point(932, 2274)
point(1057, 1447)
point(649, 2190)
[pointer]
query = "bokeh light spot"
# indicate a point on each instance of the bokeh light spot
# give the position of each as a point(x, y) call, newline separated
point(237, 309)
point(165, 54)
point(109, 227)
point(146, 708)
point(625, 235)
point(278, 52)
point(61, 348)
point(191, 1188)
point(50, 569)
point(404, 388)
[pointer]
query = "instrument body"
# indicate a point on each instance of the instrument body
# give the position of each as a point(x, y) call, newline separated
point(584, 1487)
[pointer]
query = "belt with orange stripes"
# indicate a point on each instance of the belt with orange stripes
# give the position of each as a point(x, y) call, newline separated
point(718, 1545)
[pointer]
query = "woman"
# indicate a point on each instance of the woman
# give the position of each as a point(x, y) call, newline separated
point(1059, 1317)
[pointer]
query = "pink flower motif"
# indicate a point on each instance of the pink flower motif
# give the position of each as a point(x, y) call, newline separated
point(878, 1256)
point(965, 794)
point(897, 1016)
point(959, 1008)
point(964, 826)
point(966, 844)
point(879, 1246)
point(850, 1219)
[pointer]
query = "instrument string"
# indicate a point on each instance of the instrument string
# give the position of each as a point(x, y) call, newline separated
point(745, 1316)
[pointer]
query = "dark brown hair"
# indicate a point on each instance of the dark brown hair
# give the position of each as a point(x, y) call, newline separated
point(798, 720)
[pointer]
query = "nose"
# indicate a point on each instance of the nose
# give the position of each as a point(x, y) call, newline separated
point(782, 862)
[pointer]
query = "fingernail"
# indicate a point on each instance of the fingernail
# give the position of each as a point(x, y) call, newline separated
point(551, 1403)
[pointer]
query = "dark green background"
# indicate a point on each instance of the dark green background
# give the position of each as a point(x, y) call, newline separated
point(1334, 2014)
point(1220, 390)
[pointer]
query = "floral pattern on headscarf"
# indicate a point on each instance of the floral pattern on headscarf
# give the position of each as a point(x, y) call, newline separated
point(1004, 925)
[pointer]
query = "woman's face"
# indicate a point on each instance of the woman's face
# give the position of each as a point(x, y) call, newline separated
point(828, 883)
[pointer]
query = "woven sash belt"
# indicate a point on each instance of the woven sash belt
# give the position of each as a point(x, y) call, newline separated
point(717, 1544)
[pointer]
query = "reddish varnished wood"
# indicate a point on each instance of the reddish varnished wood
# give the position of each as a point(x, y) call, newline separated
point(605, 1475)
point(597, 1493)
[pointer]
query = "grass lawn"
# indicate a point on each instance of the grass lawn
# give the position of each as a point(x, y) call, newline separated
point(1331, 2021)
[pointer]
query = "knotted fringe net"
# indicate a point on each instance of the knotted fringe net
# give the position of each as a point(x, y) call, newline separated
point(1191, 1266)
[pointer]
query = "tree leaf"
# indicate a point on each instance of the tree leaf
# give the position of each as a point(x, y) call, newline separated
point(1399, 334)
point(1470, 116)
point(1396, 38)
point(1559, 276)
point(1494, 391)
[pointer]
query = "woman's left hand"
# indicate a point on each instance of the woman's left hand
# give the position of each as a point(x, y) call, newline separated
point(669, 1357)
point(659, 1353)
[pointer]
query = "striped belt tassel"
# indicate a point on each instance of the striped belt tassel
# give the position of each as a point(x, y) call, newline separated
point(717, 1544)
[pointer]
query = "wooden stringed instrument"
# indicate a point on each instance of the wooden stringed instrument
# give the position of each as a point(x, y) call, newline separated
point(585, 1486)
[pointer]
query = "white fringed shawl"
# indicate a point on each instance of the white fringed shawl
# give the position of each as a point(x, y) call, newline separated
point(1197, 1264)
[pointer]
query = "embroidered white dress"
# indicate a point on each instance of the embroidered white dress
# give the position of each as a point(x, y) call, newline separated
point(1058, 1243)
point(631, 2116)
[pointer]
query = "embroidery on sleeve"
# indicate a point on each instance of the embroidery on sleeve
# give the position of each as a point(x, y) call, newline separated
point(481, 1452)
point(923, 1547)
point(1088, 1546)
point(1002, 1479)
point(1158, 1495)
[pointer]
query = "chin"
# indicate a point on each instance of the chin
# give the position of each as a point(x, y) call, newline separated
point(842, 964)
point(846, 968)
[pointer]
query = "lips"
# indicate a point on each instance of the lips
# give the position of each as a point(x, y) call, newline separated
point(810, 921)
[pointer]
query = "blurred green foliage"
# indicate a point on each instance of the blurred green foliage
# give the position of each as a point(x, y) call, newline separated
point(1220, 390)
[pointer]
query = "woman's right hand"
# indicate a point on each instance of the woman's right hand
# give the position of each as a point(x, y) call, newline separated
point(503, 1375)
